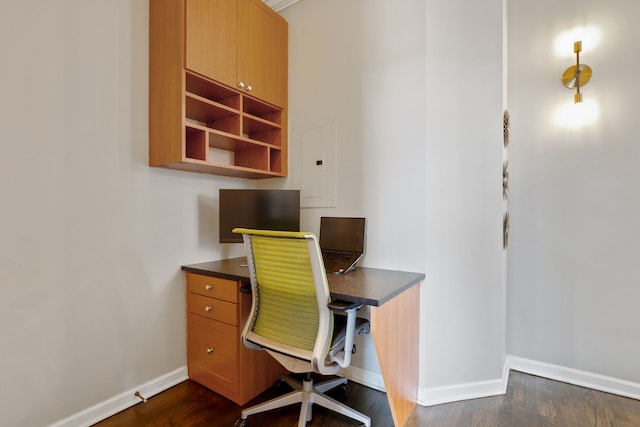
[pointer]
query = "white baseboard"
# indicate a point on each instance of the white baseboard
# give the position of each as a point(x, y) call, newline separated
point(575, 377)
point(123, 401)
point(426, 396)
point(366, 378)
point(434, 396)
point(454, 393)
point(127, 399)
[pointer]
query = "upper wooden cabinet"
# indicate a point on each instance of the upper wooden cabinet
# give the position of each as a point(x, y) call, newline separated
point(218, 87)
point(212, 39)
point(241, 43)
point(265, 52)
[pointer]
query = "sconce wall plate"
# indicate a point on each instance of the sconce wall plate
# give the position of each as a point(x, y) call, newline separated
point(570, 76)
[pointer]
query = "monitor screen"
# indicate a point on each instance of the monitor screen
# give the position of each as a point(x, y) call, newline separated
point(258, 209)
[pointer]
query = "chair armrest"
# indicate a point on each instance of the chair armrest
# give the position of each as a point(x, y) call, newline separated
point(342, 355)
point(343, 306)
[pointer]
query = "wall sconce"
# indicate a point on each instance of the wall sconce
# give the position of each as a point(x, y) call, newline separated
point(577, 75)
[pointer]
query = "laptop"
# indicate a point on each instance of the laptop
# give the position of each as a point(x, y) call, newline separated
point(341, 243)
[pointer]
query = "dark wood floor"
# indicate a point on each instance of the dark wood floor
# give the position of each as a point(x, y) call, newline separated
point(529, 401)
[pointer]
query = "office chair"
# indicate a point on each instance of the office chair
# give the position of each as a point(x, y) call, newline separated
point(293, 319)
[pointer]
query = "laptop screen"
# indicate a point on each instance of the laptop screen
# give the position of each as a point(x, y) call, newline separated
point(342, 234)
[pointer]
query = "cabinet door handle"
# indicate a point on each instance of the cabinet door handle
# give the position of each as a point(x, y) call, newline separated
point(208, 287)
point(241, 85)
point(208, 308)
point(249, 88)
point(209, 350)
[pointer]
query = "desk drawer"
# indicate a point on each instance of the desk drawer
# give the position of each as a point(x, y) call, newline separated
point(213, 287)
point(212, 349)
point(212, 308)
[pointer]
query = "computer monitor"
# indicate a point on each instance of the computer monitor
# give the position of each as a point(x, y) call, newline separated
point(257, 209)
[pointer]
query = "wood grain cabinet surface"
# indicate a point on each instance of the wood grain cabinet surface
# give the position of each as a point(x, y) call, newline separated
point(216, 358)
point(240, 43)
point(218, 87)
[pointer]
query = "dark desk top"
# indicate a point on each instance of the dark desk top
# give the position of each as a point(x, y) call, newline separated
point(370, 286)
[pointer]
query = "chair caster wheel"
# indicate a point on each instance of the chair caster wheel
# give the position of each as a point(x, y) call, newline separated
point(281, 387)
point(241, 423)
point(343, 388)
point(340, 391)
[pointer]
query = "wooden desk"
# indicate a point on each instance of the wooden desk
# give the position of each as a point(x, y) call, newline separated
point(394, 297)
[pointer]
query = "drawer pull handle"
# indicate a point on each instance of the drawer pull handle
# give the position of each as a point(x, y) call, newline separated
point(209, 350)
point(208, 308)
point(208, 287)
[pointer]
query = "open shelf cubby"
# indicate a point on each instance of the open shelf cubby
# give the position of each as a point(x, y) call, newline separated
point(230, 133)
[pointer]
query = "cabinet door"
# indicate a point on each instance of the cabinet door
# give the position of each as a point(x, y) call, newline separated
point(264, 56)
point(212, 39)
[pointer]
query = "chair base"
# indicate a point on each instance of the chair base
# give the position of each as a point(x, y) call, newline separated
point(308, 394)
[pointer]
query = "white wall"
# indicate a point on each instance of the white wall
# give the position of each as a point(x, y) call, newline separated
point(415, 88)
point(573, 265)
point(465, 306)
point(360, 65)
point(92, 239)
